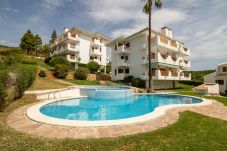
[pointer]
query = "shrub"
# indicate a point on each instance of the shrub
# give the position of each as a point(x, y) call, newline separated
point(128, 79)
point(81, 73)
point(4, 77)
point(137, 82)
point(93, 66)
point(25, 76)
point(108, 68)
point(42, 73)
point(61, 71)
point(104, 77)
point(194, 83)
point(59, 60)
point(47, 60)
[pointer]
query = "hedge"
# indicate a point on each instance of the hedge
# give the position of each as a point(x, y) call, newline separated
point(137, 82)
point(81, 73)
point(42, 73)
point(194, 83)
point(4, 78)
point(25, 76)
point(59, 60)
point(61, 71)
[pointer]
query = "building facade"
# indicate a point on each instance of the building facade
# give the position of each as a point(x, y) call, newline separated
point(81, 46)
point(219, 77)
point(130, 58)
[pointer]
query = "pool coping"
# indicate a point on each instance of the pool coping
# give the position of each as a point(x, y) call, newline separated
point(34, 114)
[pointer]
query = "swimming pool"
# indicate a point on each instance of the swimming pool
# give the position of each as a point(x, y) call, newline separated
point(96, 109)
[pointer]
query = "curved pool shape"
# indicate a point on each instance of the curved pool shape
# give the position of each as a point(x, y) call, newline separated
point(95, 109)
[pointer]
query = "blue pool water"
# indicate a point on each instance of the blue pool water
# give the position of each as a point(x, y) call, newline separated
point(94, 109)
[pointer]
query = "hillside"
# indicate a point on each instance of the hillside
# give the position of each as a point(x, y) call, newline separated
point(4, 48)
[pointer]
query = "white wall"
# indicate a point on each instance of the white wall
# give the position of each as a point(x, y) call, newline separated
point(210, 78)
point(84, 48)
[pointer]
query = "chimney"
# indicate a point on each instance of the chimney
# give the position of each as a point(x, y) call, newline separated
point(64, 30)
point(166, 31)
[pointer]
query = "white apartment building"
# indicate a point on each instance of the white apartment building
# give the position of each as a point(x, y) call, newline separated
point(81, 46)
point(130, 58)
point(219, 77)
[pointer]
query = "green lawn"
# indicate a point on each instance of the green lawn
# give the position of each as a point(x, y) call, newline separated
point(41, 63)
point(191, 132)
point(43, 84)
point(187, 90)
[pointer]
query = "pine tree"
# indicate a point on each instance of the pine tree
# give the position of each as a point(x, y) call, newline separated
point(53, 36)
point(27, 41)
point(37, 43)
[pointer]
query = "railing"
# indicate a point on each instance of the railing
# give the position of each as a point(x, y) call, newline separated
point(164, 40)
point(173, 44)
point(164, 73)
point(174, 74)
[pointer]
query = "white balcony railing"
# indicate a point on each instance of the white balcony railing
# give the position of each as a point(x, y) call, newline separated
point(123, 63)
point(96, 42)
point(166, 75)
point(72, 59)
point(185, 63)
point(68, 36)
point(122, 49)
point(95, 52)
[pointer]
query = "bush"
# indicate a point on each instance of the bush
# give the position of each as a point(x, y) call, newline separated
point(42, 73)
point(61, 71)
point(194, 83)
point(103, 77)
point(108, 68)
point(81, 73)
point(47, 60)
point(25, 76)
point(137, 82)
point(128, 79)
point(93, 66)
point(4, 77)
point(60, 60)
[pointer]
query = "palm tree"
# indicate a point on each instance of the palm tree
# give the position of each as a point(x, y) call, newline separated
point(147, 9)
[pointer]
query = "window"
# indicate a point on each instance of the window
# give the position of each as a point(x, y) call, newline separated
point(115, 47)
point(100, 49)
point(224, 69)
point(115, 71)
point(122, 57)
point(120, 71)
point(126, 58)
point(100, 59)
point(220, 82)
point(100, 40)
point(127, 45)
point(126, 70)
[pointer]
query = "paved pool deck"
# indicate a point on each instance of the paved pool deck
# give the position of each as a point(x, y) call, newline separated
point(19, 121)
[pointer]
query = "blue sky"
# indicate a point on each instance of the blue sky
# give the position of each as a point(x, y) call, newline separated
point(200, 24)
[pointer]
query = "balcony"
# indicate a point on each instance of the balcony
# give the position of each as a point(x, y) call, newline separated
point(162, 58)
point(162, 75)
point(123, 63)
point(185, 76)
point(164, 43)
point(95, 52)
point(68, 37)
point(184, 51)
point(122, 50)
point(96, 42)
point(67, 48)
point(71, 58)
point(185, 64)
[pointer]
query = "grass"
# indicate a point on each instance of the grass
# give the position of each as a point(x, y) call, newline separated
point(187, 90)
point(41, 63)
point(191, 132)
point(42, 84)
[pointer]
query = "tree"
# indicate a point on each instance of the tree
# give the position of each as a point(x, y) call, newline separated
point(46, 50)
point(53, 36)
point(37, 43)
point(27, 41)
point(93, 66)
point(147, 9)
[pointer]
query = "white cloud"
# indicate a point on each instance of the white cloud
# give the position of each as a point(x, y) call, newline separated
point(8, 9)
point(34, 19)
point(54, 4)
point(8, 43)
